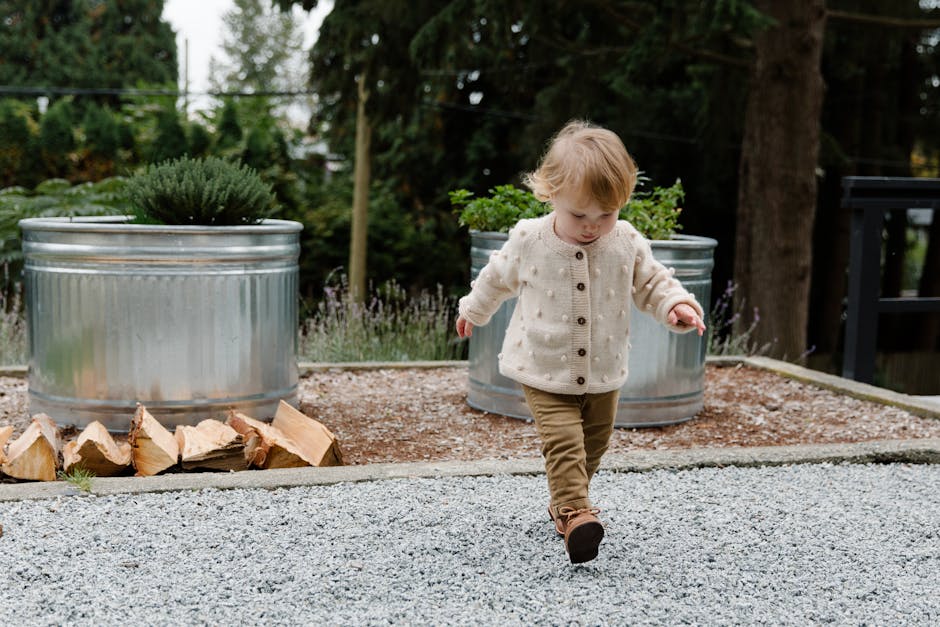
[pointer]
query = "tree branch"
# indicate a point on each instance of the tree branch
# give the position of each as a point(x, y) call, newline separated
point(881, 20)
point(635, 26)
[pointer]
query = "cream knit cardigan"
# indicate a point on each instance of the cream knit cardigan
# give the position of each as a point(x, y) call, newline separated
point(569, 333)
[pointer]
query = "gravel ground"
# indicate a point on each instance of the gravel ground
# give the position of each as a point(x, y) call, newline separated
point(810, 544)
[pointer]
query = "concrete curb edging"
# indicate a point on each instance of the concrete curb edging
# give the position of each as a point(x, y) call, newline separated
point(880, 451)
point(309, 367)
point(916, 405)
point(923, 451)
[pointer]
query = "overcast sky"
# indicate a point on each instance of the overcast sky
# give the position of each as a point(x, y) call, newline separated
point(201, 23)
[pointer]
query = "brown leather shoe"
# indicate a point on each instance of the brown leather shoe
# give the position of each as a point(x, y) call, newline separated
point(559, 523)
point(583, 532)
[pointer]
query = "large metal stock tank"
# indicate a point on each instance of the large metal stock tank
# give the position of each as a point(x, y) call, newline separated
point(666, 370)
point(188, 320)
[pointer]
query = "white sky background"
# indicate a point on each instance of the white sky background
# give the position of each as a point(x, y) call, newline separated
point(200, 21)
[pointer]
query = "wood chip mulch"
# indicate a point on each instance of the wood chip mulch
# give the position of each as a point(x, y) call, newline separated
point(422, 415)
point(416, 414)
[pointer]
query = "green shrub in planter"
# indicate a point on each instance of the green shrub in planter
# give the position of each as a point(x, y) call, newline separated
point(499, 211)
point(209, 191)
point(654, 213)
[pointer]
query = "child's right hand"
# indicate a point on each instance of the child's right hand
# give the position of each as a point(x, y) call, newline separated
point(464, 327)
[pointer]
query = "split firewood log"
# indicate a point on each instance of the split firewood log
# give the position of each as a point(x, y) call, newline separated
point(154, 449)
point(211, 445)
point(96, 451)
point(5, 433)
point(35, 454)
point(318, 444)
point(266, 446)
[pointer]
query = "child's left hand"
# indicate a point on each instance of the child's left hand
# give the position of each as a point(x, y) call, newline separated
point(684, 315)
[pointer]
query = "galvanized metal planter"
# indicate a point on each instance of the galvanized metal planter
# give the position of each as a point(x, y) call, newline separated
point(188, 320)
point(667, 370)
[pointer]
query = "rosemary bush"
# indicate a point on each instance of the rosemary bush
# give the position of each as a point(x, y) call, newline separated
point(209, 191)
point(655, 213)
point(388, 326)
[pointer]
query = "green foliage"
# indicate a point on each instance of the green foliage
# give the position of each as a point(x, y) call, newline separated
point(229, 131)
point(463, 95)
point(51, 198)
point(102, 137)
point(499, 211)
point(17, 136)
point(324, 210)
point(200, 141)
point(654, 213)
point(262, 49)
point(260, 148)
point(208, 191)
point(57, 136)
point(78, 476)
point(170, 141)
point(101, 146)
point(55, 197)
point(86, 43)
point(388, 326)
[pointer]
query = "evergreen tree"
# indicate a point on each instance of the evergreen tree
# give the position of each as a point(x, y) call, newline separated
point(17, 141)
point(137, 44)
point(262, 52)
point(86, 43)
point(102, 136)
point(102, 141)
point(228, 129)
point(259, 148)
point(57, 138)
point(170, 140)
point(200, 141)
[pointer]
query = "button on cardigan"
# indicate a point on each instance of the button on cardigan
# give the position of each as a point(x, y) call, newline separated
point(570, 329)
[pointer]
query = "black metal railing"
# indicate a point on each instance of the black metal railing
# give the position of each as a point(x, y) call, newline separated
point(869, 198)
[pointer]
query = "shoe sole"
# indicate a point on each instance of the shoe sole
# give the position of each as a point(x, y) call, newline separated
point(583, 542)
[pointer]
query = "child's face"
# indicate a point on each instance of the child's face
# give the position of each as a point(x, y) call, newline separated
point(579, 219)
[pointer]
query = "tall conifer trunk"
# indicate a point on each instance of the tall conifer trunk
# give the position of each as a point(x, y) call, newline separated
point(777, 185)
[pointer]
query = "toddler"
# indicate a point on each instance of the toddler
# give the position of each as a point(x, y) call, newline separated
point(574, 272)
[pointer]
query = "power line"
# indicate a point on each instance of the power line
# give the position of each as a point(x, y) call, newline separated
point(128, 91)
point(500, 113)
point(15, 90)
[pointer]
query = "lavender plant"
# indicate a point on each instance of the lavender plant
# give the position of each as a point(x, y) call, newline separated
point(13, 343)
point(723, 322)
point(389, 326)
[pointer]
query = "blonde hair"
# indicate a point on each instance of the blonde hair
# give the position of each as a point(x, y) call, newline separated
point(587, 159)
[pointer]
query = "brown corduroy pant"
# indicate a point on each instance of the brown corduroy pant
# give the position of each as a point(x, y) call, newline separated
point(575, 432)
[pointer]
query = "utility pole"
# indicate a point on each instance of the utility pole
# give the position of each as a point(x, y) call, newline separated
point(186, 78)
point(360, 205)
